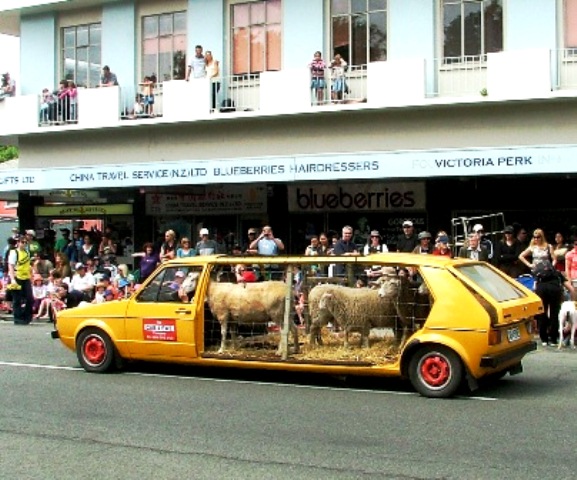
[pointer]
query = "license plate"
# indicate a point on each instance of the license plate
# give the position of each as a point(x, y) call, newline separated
point(513, 334)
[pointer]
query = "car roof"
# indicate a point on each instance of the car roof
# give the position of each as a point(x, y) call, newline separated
point(390, 258)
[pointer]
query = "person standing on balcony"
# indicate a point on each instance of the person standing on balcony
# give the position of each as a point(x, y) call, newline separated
point(147, 85)
point(339, 85)
point(8, 88)
point(198, 65)
point(72, 101)
point(108, 79)
point(212, 71)
point(63, 102)
point(318, 84)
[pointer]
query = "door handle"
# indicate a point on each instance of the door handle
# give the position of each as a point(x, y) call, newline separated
point(183, 312)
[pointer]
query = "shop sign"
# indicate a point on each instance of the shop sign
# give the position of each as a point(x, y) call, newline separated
point(367, 197)
point(70, 194)
point(388, 165)
point(83, 210)
point(212, 201)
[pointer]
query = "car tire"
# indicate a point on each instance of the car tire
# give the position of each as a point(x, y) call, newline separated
point(436, 371)
point(95, 351)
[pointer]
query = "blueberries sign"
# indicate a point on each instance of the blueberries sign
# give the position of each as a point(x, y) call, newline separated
point(373, 197)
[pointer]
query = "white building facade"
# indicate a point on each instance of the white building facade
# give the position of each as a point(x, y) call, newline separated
point(448, 108)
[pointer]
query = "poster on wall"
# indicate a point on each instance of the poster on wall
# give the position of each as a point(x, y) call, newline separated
point(212, 200)
point(356, 197)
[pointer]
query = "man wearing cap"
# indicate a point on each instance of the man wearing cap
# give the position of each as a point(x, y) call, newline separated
point(483, 240)
point(375, 245)
point(407, 241)
point(206, 246)
point(83, 281)
point(20, 271)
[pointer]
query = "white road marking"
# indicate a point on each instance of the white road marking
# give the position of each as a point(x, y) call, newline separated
point(240, 382)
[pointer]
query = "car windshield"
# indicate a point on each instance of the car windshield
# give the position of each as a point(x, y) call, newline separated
point(491, 282)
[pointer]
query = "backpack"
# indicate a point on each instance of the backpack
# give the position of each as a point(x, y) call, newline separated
point(544, 271)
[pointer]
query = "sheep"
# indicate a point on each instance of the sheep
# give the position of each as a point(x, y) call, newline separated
point(319, 317)
point(260, 302)
point(362, 309)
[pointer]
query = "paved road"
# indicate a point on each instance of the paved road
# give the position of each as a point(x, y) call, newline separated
point(173, 423)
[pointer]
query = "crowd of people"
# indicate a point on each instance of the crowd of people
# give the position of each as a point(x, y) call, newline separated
point(40, 278)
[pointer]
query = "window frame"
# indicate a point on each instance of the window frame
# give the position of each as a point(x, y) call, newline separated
point(158, 39)
point(463, 58)
point(249, 73)
point(88, 47)
point(348, 57)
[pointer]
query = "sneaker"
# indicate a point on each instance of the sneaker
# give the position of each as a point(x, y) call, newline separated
point(553, 344)
point(544, 344)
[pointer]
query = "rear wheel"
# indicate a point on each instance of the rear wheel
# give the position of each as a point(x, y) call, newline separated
point(95, 351)
point(436, 371)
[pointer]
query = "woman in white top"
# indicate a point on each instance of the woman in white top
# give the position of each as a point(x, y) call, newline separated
point(538, 250)
point(212, 72)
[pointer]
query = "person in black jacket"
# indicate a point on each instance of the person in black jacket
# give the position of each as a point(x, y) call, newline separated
point(549, 286)
point(507, 251)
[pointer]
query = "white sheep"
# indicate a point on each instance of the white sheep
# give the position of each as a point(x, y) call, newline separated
point(360, 309)
point(317, 316)
point(248, 303)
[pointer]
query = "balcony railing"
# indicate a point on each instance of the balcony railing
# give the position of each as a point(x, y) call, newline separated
point(139, 105)
point(460, 76)
point(528, 73)
point(236, 93)
point(349, 88)
point(566, 69)
point(57, 111)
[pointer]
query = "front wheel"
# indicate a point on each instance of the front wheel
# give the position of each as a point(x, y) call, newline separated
point(436, 371)
point(95, 351)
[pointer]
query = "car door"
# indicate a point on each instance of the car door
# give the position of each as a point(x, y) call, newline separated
point(159, 323)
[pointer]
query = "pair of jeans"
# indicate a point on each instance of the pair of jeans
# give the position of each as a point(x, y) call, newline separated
point(22, 301)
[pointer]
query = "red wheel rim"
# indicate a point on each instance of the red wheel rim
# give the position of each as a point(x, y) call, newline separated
point(435, 370)
point(94, 350)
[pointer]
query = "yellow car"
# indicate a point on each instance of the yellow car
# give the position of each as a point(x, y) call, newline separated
point(441, 323)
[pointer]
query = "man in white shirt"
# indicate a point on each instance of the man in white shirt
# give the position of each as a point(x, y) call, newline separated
point(197, 65)
point(83, 281)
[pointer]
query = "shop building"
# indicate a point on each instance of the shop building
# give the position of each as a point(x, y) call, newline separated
point(451, 108)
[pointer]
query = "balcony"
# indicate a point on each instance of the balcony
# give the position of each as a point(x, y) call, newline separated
point(523, 74)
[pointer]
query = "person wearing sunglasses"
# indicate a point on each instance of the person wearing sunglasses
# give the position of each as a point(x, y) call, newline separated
point(538, 250)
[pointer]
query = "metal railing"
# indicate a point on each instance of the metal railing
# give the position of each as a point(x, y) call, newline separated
point(460, 76)
point(237, 93)
point(57, 111)
point(566, 69)
point(349, 88)
point(135, 104)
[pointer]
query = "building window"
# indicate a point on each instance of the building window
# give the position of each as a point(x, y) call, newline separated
point(81, 54)
point(256, 36)
point(472, 28)
point(164, 46)
point(570, 26)
point(359, 30)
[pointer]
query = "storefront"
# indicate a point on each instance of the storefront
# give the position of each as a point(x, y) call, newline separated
point(301, 195)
